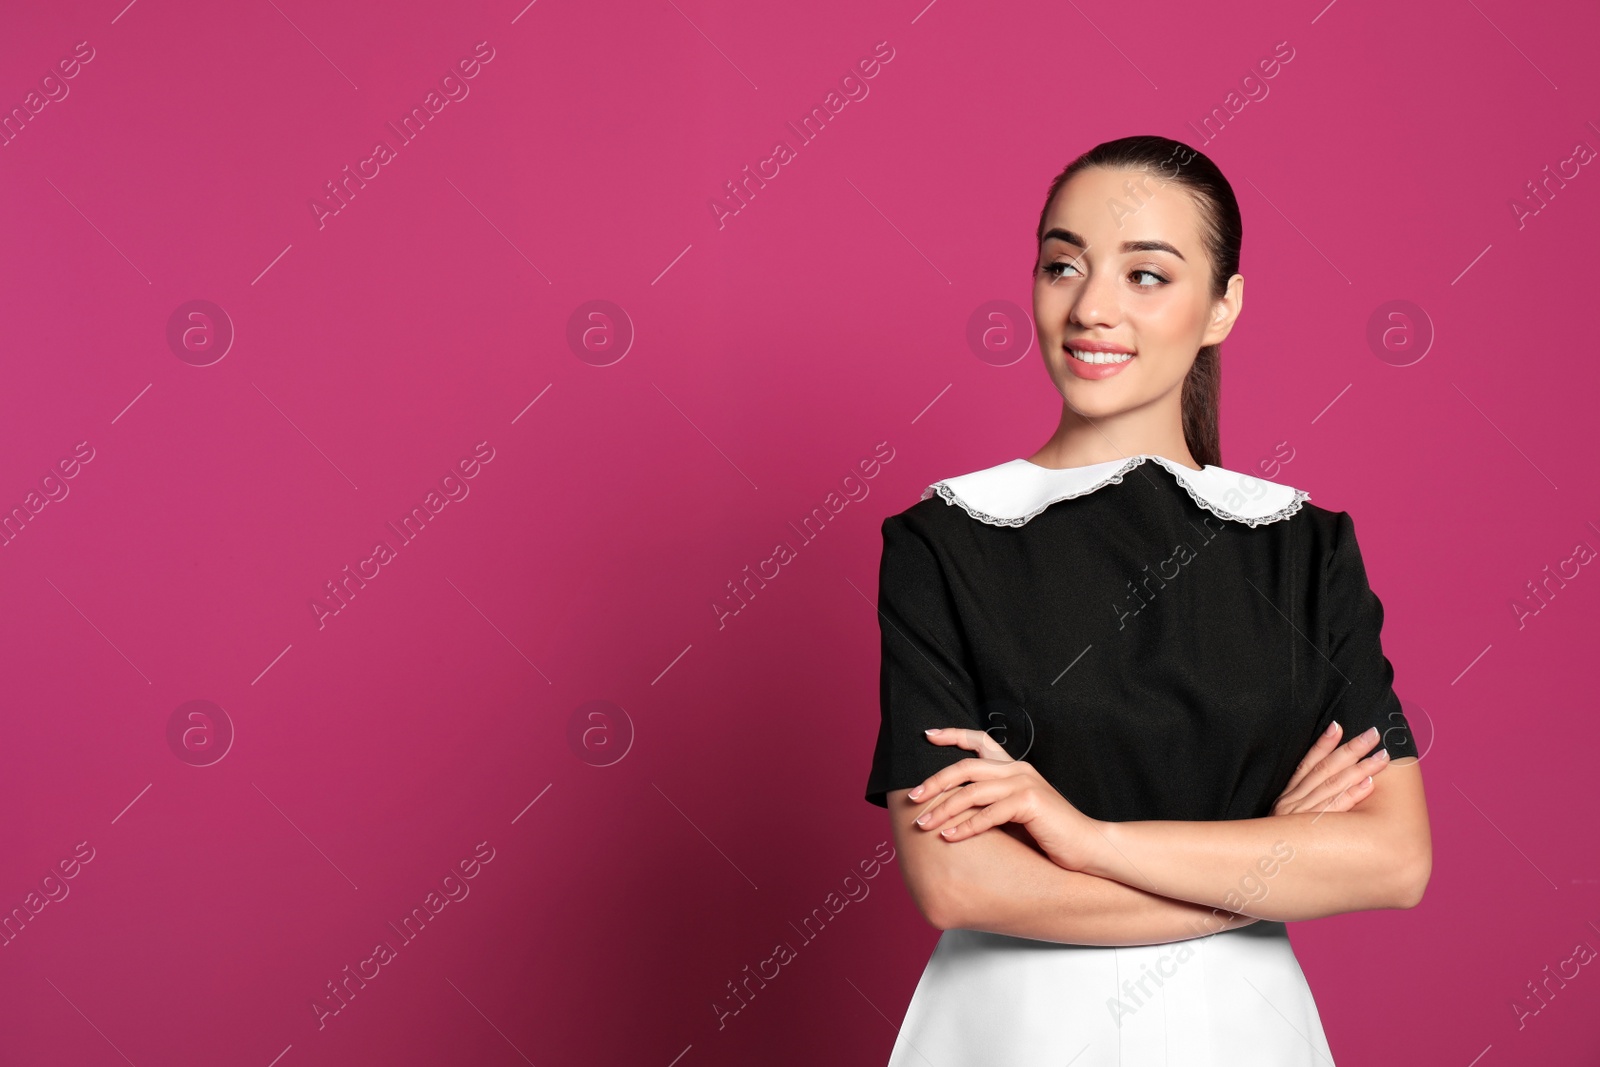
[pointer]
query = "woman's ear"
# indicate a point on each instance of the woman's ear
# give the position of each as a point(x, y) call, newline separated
point(1224, 312)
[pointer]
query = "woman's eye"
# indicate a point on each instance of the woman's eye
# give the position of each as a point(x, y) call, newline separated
point(1056, 271)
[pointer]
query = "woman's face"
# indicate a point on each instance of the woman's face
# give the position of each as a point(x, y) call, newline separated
point(1122, 264)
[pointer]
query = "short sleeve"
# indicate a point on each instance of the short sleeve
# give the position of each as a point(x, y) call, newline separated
point(1360, 690)
point(924, 681)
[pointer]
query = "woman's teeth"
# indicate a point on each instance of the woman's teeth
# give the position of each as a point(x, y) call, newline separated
point(1102, 357)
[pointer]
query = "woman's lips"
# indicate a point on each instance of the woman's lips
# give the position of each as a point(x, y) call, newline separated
point(1094, 371)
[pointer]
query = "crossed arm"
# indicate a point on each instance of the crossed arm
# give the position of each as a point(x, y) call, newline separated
point(1156, 882)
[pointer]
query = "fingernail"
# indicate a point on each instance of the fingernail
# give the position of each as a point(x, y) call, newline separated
point(1367, 782)
point(932, 731)
point(1333, 728)
point(1371, 731)
point(915, 793)
point(921, 819)
point(1381, 754)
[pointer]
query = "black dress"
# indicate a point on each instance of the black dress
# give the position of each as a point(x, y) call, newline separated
point(1160, 643)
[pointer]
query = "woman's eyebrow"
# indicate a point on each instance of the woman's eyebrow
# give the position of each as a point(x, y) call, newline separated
point(1127, 246)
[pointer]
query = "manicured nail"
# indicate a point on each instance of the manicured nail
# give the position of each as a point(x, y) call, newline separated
point(1371, 731)
point(915, 793)
point(1367, 782)
point(1333, 728)
point(933, 731)
point(921, 819)
point(1381, 754)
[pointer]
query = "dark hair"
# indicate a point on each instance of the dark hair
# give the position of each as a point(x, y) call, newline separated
point(1221, 230)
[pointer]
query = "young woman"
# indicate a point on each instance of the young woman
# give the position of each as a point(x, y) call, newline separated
point(1136, 714)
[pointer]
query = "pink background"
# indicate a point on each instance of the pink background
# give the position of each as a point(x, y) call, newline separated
point(644, 856)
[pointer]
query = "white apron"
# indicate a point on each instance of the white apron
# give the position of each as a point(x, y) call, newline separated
point(1233, 999)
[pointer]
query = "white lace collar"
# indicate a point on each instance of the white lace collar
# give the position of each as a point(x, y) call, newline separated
point(1011, 493)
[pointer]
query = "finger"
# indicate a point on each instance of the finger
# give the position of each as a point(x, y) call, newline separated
point(974, 767)
point(1344, 800)
point(1324, 744)
point(1350, 776)
point(967, 797)
point(982, 819)
point(1339, 760)
point(979, 741)
point(1350, 796)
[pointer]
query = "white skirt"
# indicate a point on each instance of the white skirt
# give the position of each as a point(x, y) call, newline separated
point(1234, 999)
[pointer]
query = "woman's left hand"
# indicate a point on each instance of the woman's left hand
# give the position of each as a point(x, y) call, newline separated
point(1005, 790)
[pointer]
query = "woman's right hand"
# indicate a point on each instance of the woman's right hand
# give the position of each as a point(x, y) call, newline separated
point(1333, 778)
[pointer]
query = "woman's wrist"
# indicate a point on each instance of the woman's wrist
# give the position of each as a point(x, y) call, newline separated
point(1104, 857)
